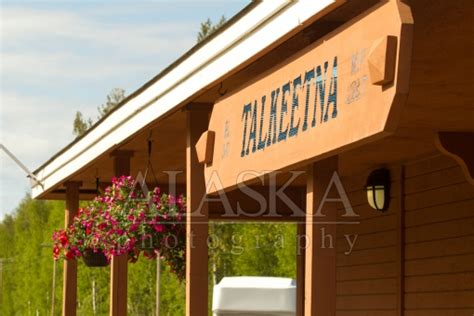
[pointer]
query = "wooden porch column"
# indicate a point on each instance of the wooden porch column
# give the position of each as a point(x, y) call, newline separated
point(320, 257)
point(197, 216)
point(119, 264)
point(70, 266)
point(300, 261)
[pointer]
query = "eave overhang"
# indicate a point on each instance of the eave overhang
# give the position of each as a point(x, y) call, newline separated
point(250, 34)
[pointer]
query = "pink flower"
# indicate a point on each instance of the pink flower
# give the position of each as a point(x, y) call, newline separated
point(133, 227)
point(159, 228)
point(171, 199)
point(56, 252)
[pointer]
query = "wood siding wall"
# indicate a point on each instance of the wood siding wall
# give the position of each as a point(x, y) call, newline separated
point(439, 234)
point(429, 268)
point(367, 278)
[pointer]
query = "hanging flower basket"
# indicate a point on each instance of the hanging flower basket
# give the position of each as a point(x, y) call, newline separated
point(94, 258)
point(126, 221)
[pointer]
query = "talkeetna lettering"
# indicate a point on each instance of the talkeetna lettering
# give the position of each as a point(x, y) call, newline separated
point(264, 125)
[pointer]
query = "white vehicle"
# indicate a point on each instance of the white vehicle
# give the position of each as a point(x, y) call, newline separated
point(254, 296)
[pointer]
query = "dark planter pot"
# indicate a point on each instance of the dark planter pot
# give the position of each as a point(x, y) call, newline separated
point(94, 259)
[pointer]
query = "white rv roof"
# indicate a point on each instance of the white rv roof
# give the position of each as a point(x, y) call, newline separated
point(256, 295)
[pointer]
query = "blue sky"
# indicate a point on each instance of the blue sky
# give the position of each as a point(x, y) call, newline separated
point(59, 57)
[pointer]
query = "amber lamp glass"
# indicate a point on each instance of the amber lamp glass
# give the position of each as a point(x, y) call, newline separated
point(378, 189)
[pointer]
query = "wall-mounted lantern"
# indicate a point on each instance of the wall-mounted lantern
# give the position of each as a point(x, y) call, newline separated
point(378, 189)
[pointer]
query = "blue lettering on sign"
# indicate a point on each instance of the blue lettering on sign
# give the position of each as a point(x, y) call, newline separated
point(253, 130)
point(294, 105)
point(284, 110)
point(332, 98)
point(261, 142)
point(288, 124)
point(272, 126)
point(320, 86)
point(308, 77)
point(245, 117)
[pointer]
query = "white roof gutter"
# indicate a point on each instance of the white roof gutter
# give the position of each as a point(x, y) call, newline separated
point(265, 24)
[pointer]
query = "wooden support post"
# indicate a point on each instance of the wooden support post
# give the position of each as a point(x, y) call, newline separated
point(401, 245)
point(158, 284)
point(197, 217)
point(320, 257)
point(70, 266)
point(300, 258)
point(119, 264)
point(122, 162)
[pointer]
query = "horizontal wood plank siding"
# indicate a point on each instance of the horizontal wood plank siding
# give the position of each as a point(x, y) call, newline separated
point(439, 234)
point(367, 277)
point(438, 245)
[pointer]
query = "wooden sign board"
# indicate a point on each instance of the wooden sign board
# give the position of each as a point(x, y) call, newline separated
point(345, 89)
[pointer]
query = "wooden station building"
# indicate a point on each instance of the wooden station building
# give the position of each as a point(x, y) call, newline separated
point(291, 97)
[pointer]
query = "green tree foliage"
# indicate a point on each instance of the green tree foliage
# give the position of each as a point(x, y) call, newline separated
point(81, 124)
point(27, 271)
point(172, 294)
point(208, 27)
point(263, 249)
point(251, 249)
point(25, 248)
point(25, 245)
point(93, 290)
point(115, 96)
point(141, 296)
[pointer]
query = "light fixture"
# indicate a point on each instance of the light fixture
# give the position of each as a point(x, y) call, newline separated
point(378, 189)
